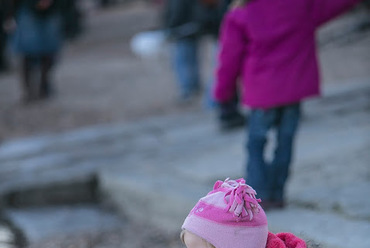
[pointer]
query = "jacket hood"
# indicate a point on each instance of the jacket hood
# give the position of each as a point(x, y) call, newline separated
point(284, 240)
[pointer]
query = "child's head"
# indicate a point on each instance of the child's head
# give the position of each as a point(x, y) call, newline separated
point(227, 216)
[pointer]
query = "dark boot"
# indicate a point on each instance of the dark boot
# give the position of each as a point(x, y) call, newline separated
point(45, 90)
point(26, 81)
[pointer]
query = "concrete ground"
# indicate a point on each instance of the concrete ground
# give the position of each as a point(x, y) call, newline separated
point(114, 123)
point(152, 172)
point(99, 80)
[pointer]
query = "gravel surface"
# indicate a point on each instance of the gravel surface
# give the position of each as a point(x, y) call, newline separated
point(131, 236)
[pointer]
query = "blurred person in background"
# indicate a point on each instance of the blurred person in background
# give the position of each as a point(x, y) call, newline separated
point(181, 22)
point(39, 29)
point(366, 24)
point(271, 46)
point(3, 36)
point(72, 19)
point(105, 3)
point(186, 22)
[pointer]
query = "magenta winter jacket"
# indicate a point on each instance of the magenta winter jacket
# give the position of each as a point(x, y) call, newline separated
point(271, 45)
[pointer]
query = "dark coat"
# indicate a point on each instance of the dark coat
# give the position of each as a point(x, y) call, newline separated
point(193, 18)
point(68, 10)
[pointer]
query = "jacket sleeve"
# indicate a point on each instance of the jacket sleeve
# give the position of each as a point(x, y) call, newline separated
point(230, 59)
point(325, 10)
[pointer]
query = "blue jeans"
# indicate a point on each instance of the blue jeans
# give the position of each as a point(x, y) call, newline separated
point(208, 100)
point(186, 66)
point(269, 178)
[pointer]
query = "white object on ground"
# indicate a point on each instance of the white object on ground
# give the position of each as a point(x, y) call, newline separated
point(148, 44)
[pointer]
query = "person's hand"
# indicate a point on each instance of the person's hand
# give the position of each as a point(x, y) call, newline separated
point(44, 4)
point(10, 25)
point(229, 115)
point(228, 107)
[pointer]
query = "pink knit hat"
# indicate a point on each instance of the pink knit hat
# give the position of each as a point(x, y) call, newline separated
point(228, 216)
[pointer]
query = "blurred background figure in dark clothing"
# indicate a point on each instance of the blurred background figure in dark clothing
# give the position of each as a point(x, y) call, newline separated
point(37, 36)
point(186, 22)
point(366, 24)
point(72, 19)
point(3, 36)
point(182, 25)
point(104, 3)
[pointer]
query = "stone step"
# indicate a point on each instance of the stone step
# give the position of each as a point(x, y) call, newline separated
point(166, 188)
point(165, 201)
point(74, 158)
point(161, 167)
point(54, 193)
point(125, 135)
point(7, 237)
point(154, 198)
point(42, 223)
point(336, 101)
point(67, 149)
point(96, 137)
point(81, 153)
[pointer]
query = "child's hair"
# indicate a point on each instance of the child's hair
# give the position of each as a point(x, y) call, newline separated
point(182, 237)
point(182, 234)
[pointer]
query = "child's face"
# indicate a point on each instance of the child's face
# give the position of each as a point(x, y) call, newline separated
point(194, 241)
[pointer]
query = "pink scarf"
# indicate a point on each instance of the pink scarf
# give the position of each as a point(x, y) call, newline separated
point(284, 240)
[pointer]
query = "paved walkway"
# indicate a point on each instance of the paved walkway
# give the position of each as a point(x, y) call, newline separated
point(327, 194)
point(99, 79)
point(158, 168)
